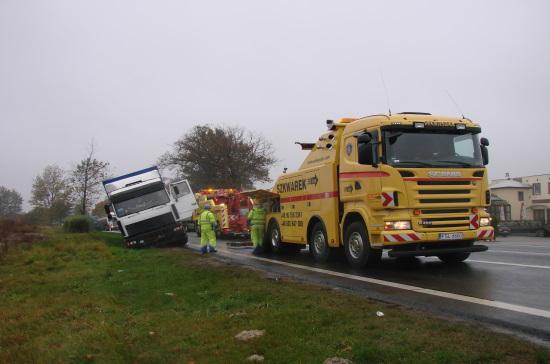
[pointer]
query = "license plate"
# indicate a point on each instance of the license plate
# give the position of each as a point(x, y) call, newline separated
point(451, 236)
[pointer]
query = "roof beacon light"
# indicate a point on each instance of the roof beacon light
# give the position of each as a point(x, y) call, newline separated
point(460, 126)
point(419, 125)
point(330, 124)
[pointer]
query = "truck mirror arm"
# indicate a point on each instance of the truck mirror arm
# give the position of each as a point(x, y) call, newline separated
point(375, 156)
point(485, 154)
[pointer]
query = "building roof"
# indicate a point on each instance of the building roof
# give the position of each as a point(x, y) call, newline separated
point(508, 183)
point(495, 198)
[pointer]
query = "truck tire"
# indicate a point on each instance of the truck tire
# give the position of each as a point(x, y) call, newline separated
point(318, 243)
point(453, 257)
point(357, 246)
point(274, 237)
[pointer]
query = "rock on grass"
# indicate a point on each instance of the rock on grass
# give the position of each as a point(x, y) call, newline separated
point(249, 335)
point(255, 358)
point(337, 360)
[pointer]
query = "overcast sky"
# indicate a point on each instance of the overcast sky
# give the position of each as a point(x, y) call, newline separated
point(136, 75)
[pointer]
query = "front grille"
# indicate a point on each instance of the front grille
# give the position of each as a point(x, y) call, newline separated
point(443, 183)
point(444, 200)
point(438, 192)
point(445, 211)
point(446, 219)
point(150, 224)
point(445, 222)
point(456, 219)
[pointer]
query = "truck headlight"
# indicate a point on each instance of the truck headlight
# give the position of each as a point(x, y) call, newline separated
point(484, 221)
point(397, 225)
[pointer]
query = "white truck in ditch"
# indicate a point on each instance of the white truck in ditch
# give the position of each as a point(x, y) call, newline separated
point(148, 211)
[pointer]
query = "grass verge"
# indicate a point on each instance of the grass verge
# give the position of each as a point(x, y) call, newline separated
point(82, 297)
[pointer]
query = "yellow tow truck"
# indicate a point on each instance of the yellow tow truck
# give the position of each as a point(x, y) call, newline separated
point(412, 183)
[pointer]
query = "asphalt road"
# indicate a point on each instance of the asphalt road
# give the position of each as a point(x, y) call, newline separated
point(506, 288)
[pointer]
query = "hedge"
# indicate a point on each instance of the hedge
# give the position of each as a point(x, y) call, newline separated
point(77, 224)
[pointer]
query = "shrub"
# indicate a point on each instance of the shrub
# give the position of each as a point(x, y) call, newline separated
point(14, 226)
point(77, 224)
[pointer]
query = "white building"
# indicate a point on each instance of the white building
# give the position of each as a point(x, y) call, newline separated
point(522, 198)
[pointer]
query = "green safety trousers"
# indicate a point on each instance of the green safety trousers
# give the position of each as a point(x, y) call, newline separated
point(257, 224)
point(257, 234)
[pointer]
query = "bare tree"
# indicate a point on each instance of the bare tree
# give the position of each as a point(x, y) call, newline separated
point(86, 180)
point(221, 157)
point(11, 202)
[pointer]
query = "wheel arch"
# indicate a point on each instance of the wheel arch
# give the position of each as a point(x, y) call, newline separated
point(272, 220)
point(313, 220)
point(353, 216)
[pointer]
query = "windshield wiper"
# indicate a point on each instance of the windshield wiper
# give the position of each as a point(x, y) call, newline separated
point(418, 163)
point(465, 164)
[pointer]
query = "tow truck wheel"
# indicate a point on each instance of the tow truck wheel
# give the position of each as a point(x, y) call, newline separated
point(454, 257)
point(318, 244)
point(357, 246)
point(274, 237)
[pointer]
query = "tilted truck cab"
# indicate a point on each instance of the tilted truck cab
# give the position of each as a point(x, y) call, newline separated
point(147, 211)
point(412, 183)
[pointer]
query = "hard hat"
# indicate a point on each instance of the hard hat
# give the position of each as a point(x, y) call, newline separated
point(207, 207)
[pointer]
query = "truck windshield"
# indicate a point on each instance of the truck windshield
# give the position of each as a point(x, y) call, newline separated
point(424, 148)
point(141, 202)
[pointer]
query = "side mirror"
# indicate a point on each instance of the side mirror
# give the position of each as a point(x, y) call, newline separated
point(108, 212)
point(484, 142)
point(364, 138)
point(485, 154)
point(367, 138)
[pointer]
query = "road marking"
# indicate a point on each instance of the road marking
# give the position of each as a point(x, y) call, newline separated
point(480, 301)
point(514, 252)
point(512, 264)
point(523, 245)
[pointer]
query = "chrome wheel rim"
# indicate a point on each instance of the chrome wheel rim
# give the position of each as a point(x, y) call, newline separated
point(275, 237)
point(355, 245)
point(319, 242)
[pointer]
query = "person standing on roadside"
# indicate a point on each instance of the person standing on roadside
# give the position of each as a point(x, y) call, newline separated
point(207, 223)
point(256, 218)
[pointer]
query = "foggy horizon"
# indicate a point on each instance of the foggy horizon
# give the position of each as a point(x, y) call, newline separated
point(135, 76)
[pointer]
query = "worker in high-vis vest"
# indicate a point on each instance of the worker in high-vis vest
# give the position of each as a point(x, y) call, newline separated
point(207, 222)
point(256, 218)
